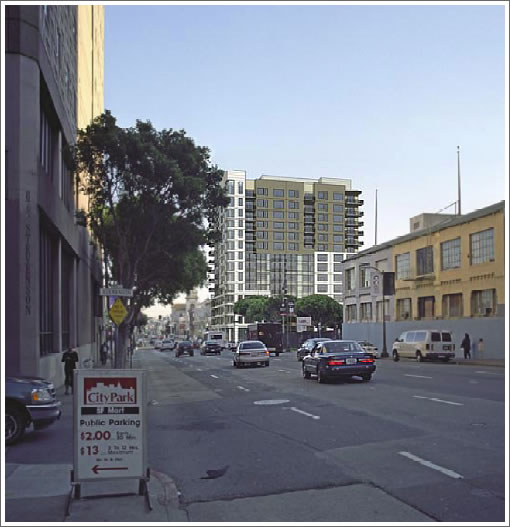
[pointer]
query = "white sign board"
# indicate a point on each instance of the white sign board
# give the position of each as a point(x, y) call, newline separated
point(109, 424)
point(302, 323)
point(115, 291)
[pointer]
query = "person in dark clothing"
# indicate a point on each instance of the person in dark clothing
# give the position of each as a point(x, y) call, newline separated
point(466, 346)
point(69, 358)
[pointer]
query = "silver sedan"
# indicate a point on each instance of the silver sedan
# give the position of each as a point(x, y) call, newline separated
point(251, 352)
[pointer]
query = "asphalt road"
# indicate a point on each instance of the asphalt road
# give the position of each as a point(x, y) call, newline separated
point(420, 438)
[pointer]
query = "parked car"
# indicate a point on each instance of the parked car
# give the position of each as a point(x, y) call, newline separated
point(338, 358)
point(185, 346)
point(251, 352)
point(157, 344)
point(424, 344)
point(28, 400)
point(210, 346)
point(166, 344)
point(308, 346)
point(370, 348)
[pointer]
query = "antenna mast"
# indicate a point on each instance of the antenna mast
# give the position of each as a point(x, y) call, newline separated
point(375, 243)
point(458, 176)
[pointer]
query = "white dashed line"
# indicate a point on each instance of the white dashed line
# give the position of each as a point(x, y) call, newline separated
point(435, 399)
point(243, 388)
point(429, 464)
point(199, 369)
point(297, 410)
point(214, 376)
point(418, 376)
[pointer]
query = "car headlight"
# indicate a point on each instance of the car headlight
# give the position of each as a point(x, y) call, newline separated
point(41, 395)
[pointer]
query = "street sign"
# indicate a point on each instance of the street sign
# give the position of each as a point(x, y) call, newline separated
point(115, 291)
point(118, 312)
point(109, 425)
point(302, 323)
point(291, 307)
point(376, 284)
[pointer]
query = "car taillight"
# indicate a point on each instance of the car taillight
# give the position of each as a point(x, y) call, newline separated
point(267, 352)
point(336, 362)
point(367, 360)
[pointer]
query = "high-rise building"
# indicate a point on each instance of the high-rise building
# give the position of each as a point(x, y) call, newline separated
point(281, 235)
point(53, 84)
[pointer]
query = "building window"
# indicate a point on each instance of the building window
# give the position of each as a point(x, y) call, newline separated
point(337, 268)
point(338, 208)
point(240, 244)
point(47, 262)
point(322, 258)
point(261, 245)
point(337, 278)
point(278, 225)
point(262, 235)
point(262, 214)
point(349, 280)
point(240, 201)
point(322, 237)
point(426, 306)
point(338, 258)
point(47, 142)
point(67, 185)
point(365, 311)
point(322, 247)
point(351, 314)
point(337, 288)
point(278, 246)
point(230, 255)
point(278, 214)
point(322, 194)
point(322, 278)
point(278, 204)
point(322, 288)
point(293, 235)
point(240, 234)
point(322, 227)
point(293, 215)
point(67, 273)
point(230, 246)
point(338, 228)
point(452, 306)
point(483, 302)
point(450, 254)
point(403, 266)
point(293, 205)
point(278, 193)
point(322, 207)
point(293, 246)
point(293, 193)
point(240, 277)
point(278, 235)
point(230, 186)
point(322, 217)
point(322, 266)
point(482, 246)
point(229, 213)
point(337, 218)
point(404, 309)
point(424, 261)
point(262, 192)
point(338, 238)
point(240, 187)
point(262, 203)
point(240, 213)
point(364, 277)
point(338, 196)
point(230, 277)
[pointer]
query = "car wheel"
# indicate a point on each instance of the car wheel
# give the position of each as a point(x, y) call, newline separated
point(419, 356)
point(396, 358)
point(366, 377)
point(14, 425)
point(306, 374)
point(321, 379)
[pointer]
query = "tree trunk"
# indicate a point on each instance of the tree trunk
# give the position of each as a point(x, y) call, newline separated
point(121, 351)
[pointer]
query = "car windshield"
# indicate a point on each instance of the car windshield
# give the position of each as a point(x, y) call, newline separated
point(252, 345)
point(332, 347)
point(185, 343)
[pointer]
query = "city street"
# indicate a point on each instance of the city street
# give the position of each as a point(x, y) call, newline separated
point(421, 442)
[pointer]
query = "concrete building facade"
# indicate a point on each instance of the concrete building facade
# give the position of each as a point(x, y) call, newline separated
point(450, 275)
point(281, 235)
point(53, 270)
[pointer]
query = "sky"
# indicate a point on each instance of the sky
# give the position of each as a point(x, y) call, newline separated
point(381, 95)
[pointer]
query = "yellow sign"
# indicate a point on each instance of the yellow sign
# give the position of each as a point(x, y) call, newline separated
point(118, 312)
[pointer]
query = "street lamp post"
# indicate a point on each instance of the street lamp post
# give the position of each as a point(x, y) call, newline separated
point(384, 348)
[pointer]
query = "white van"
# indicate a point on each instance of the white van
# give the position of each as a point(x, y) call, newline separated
point(218, 337)
point(424, 344)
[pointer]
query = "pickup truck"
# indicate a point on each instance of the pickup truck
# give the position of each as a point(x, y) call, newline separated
point(28, 400)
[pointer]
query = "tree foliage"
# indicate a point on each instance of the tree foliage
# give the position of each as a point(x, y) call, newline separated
point(153, 201)
point(321, 308)
point(261, 308)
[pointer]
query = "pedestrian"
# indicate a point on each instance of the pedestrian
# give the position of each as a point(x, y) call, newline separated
point(70, 359)
point(103, 353)
point(466, 346)
point(480, 346)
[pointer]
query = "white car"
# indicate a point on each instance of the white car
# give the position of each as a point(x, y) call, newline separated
point(166, 344)
point(370, 348)
point(251, 352)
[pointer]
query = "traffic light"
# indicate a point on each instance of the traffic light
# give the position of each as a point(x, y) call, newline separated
point(388, 283)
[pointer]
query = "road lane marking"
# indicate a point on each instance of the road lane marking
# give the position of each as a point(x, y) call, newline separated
point(489, 373)
point(419, 376)
point(214, 376)
point(435, 399)
point(297, 410)
point(243, 388)
point(429, 464)
point(199, 369)
point(268, 402)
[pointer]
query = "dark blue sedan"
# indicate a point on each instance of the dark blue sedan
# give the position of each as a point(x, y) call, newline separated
point(339, 358)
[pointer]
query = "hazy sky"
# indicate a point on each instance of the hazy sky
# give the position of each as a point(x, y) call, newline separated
point(380, 94)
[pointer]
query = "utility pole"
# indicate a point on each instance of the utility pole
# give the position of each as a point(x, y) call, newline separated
point(375, 243)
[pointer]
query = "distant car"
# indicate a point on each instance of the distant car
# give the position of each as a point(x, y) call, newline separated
point(166, 344)
point(28, 400)
point(157, 344)
point(210, 346)
point(251, 352)
point(370, 348)
point(338, 358)
point(185, 346)
point(424, 344)
point(308, 346)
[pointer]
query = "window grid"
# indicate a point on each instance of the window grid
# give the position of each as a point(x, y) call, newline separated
point(482, 246)
point(450, 254)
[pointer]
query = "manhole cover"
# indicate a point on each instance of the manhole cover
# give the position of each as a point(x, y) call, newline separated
point(271, 401)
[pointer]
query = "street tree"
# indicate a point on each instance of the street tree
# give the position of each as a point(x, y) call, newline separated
point(153, 201)
point(321, 308)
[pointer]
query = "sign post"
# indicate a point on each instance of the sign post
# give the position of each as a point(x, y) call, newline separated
point(110, 428)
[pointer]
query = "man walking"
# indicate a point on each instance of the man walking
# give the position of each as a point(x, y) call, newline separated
point(69, 358)
point(466, 346)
